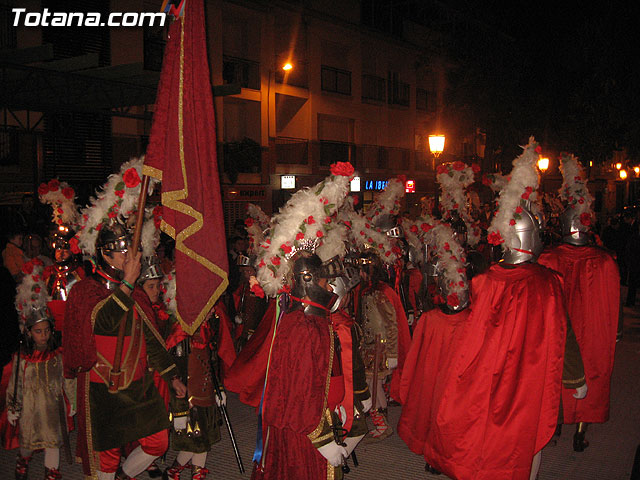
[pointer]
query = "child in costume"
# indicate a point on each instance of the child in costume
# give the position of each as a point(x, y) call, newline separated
point(38, 394)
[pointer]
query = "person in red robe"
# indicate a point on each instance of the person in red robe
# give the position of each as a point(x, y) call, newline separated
point(300, 394)
point(591, 284)
point(435, 342)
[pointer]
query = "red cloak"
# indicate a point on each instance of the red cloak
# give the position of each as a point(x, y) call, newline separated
point(433, 346)
point(246, 375)
point(295, 398)
point(592, 290)
point(501, 395)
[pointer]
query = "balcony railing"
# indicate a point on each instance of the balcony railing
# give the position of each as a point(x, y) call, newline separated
point(292, 151)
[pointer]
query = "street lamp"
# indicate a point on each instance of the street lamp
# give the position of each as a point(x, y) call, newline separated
point(618, 166)
point(543, 164)
point(287, 66)
point(436, 147)
point(623, 174)
point(436, 144)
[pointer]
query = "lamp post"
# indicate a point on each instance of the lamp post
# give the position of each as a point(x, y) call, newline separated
point(543, 166)
point(436, 146)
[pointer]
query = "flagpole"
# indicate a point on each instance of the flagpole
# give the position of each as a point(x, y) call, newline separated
point(115, 374)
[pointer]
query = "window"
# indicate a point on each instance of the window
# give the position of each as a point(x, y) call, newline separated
point(336, 81)
point(422, 99)
point(398, 91)
point(373, 88)
point(240, 71)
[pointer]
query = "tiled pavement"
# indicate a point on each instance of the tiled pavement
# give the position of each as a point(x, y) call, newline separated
point(610, 456)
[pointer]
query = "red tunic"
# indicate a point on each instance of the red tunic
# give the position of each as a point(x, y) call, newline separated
point(592, 289)
point(501, 395)
point(435, 341)
point(295, 398)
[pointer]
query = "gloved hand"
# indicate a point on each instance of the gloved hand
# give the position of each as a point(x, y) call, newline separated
point(12, 417)
point(392, 363)
point(366, 404)
point(219, 402)
point(180, 423)
point(237, 319)
point(334, 453)
point(581, 392)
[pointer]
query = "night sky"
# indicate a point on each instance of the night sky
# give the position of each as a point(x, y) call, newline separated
point(578, 71)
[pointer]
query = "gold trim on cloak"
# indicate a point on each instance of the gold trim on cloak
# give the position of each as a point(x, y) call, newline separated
point(173, 200)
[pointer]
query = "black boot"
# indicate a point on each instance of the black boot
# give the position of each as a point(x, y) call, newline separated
point(579, 442)
point(429, 469)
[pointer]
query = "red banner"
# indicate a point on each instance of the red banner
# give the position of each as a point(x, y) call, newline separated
point(182, 154)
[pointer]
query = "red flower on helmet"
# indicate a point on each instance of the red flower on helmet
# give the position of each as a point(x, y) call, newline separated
point(43, 189)
point(414, 229)
point(131, 178)
point(442, 169)
point(299, 236)
point(319, 234)
point(248, 221)
point(310, 220)
point(538, 149)
point(426, 227)
point(27, 268)
point(37, 261)
point(275, 260)
point(157, 216)
point(458, 165)
point(518, 209)
point(73, 245)
point(494, 238)
point(344, 169)
point(585, 219)
point(512, 222)
point(53, 184)
point(486, 180)
point(68, 192)
point(285, 248)
point(476, 168)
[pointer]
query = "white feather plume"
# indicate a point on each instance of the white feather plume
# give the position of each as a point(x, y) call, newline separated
point(114, 199)
point(307, 217)
point(574, 190)
point(520, 189)
point(31, 293)
point(169, 292)
point(62, 198)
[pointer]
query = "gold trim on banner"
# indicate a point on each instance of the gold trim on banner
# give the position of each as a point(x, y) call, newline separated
point(174, 200)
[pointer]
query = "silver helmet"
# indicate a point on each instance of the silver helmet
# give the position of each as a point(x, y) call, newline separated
point(307, 271)
point(388, 225)
point(150, 269)
point(343, 284)
point(527, 244)
point(452, 302)
point(570, 224)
